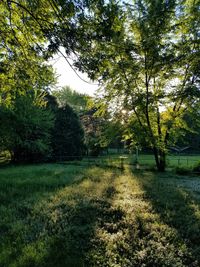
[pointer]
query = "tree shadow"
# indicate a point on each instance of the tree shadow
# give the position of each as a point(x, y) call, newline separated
point(66, 224)
point(14, 189)
point(176, 207)
point(70, 245)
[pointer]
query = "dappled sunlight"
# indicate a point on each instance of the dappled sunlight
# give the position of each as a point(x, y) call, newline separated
point(61, 225)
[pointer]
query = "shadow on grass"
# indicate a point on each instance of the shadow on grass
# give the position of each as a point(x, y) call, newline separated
point(23, 182)
point(70, 245)
point(60, 229)
point(176, 207)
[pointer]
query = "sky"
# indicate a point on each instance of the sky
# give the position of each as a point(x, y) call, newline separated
point(66, 76)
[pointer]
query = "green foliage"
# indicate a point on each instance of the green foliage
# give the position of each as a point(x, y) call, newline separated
point(145, 54)
point(22, 65)
point(26, 128)
point(68, 135)
point(95, 132)
point(68, 96)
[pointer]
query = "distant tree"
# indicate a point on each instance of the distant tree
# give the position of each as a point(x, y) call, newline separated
point(6, 130)
point(85, 108)
point(76, 100)
point(92, 129)
point(101, 131)
point(68, 135)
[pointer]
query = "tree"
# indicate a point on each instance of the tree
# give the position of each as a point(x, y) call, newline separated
point(96, 129)
point(21, 55)
point(68, 135)
point(147, 56)
point(190, 137)
point(26, 128)
point(73, 98)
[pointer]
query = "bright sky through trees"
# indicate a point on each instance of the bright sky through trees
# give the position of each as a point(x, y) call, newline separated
point(67, 76)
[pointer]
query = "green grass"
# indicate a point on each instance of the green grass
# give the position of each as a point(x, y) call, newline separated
point(186, 161)
point(69, 215)
point(173, 161)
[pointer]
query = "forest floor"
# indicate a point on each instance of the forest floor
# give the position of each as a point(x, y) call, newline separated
point(56, 215)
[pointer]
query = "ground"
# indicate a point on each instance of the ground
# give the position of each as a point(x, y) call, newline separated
point(69, 215)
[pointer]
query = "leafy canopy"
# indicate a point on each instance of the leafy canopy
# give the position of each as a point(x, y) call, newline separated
point(146, 54)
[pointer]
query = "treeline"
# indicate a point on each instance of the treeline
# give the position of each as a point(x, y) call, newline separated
point(36, 129)
point(39, 126)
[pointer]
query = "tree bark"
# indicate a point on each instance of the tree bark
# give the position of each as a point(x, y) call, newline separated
point(160, 158)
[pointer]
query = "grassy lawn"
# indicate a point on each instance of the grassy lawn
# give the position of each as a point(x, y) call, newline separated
point(69, 215)
point(185, 161)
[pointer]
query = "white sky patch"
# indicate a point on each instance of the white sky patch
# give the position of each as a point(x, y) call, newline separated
point(67, 76)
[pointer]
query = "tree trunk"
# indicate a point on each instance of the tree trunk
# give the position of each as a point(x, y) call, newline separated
point(160, 158)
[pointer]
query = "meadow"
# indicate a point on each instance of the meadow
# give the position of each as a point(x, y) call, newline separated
point(68, 215)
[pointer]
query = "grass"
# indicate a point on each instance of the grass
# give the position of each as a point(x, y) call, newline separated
point(66, 215)
point(182, 161)
point(147, 160)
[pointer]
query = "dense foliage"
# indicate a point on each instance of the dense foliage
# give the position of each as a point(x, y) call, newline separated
point(68, 135)
point(28, 113)
point(26, 128)
point(76, 100)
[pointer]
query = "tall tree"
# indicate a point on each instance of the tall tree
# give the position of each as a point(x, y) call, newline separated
point(68, 135)
point(146, 53)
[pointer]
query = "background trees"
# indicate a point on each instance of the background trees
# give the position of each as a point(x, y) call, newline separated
point(29, 126)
